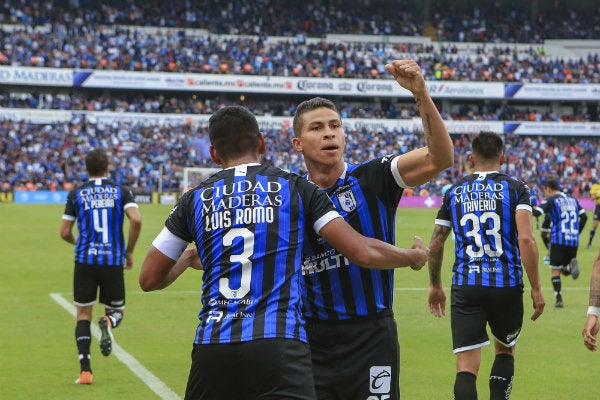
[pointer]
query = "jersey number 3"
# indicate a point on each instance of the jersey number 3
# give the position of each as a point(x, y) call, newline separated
point(243, 258)
point(478, 249)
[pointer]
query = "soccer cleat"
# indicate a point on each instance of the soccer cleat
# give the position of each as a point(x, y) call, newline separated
point(107, 337)
point(589, 246)
point(574, 267)
point(558, 304)
point(85, 378)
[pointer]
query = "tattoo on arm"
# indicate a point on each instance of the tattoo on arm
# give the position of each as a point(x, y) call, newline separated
point(427, 129)
point(436, 253)
point(418, 101)
point(595, 292)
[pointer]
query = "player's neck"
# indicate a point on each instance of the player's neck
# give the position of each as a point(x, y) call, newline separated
point(247, 159)
point(325, 176)
point(486, 167)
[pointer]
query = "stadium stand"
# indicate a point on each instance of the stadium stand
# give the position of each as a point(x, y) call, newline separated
point(325, 41)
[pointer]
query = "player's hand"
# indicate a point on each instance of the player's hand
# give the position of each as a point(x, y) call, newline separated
point(590, 333)
point(408, 74)
point(192, 258)
point(538, 303)
point(128, 260)
point(422, 253)
point(437, 301)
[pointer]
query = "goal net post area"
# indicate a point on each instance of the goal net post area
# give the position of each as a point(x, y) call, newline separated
point(193, 176)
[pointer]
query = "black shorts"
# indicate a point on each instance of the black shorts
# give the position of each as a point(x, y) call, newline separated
point(265, 369)
point(474, 306)
point(561, 256)
point(597, 212)
point(355, 359)
point(88, 278)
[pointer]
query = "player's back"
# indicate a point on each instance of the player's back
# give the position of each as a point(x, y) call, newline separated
point(98, 206)
point(564, 211)
point(481, 211)
point(248, 223)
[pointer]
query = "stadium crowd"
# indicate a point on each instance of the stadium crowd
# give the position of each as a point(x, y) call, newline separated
point(103, 35)
point(78, 38)
point(50, 157)
point(455, 21)
point(207, 104)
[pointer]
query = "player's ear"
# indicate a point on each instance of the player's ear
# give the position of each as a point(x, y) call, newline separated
point(502, 159)
point(297, 143)
point(261, 143)
point(215, 156)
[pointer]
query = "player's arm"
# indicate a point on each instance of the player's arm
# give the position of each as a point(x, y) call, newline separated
point(66, 231)
point(369, 252)
point(162, 265)
point(436, 298)
point(530, 258)
point(582, 219)
point(135, 227)
point(421, 165)
point(591, 327)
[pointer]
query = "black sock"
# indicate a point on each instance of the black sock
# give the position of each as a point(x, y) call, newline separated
point(115, 317)
point(546, 241)
point(83, 338)
point(557, 286)
point(501, 377)
point(592, 233)
point(464, 386)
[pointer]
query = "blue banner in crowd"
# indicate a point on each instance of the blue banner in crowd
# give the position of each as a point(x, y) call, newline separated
point(41, 197)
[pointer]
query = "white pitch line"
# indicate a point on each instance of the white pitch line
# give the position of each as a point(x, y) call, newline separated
point(155, 384)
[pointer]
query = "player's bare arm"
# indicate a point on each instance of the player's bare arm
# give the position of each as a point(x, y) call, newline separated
point(591, 327)
point(372, 253)
point(66, 231)
point(437, 297)
point(135, 226)
point(421, 165)
point(530, 257)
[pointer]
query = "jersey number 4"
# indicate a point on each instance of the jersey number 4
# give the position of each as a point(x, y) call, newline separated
point(478, 249)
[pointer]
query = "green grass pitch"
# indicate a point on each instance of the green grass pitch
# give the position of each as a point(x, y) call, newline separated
point(38, 358)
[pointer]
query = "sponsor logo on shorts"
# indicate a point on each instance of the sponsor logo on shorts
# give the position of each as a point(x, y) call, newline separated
point(380, 379)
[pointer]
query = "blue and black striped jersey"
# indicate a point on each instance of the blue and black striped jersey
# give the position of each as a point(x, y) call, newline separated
point(248, 223)
point(564, 211)
point(367, 196)
point(99, 207)
point(480, 209)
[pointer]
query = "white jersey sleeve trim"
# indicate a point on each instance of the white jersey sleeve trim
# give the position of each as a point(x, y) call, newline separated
point(524, 207)
point(68, 217)
point(170, 245)
point(396, 173)
point(324, 220)
point(443, 222)
point(126, 206)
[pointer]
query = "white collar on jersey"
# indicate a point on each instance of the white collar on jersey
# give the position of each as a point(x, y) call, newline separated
point(252, 164)
point(342, 176)
point(98, 180)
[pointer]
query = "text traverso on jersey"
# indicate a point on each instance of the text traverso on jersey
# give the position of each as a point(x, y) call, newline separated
point(478, 196)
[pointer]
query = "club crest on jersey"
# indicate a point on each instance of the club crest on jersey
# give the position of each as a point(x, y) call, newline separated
point(347, 200)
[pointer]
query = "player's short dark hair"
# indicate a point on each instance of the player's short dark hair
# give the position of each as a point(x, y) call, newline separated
point(233, 131)
point(310, 105)
point(552, 184)
point(96, 162)
point(488, 145)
